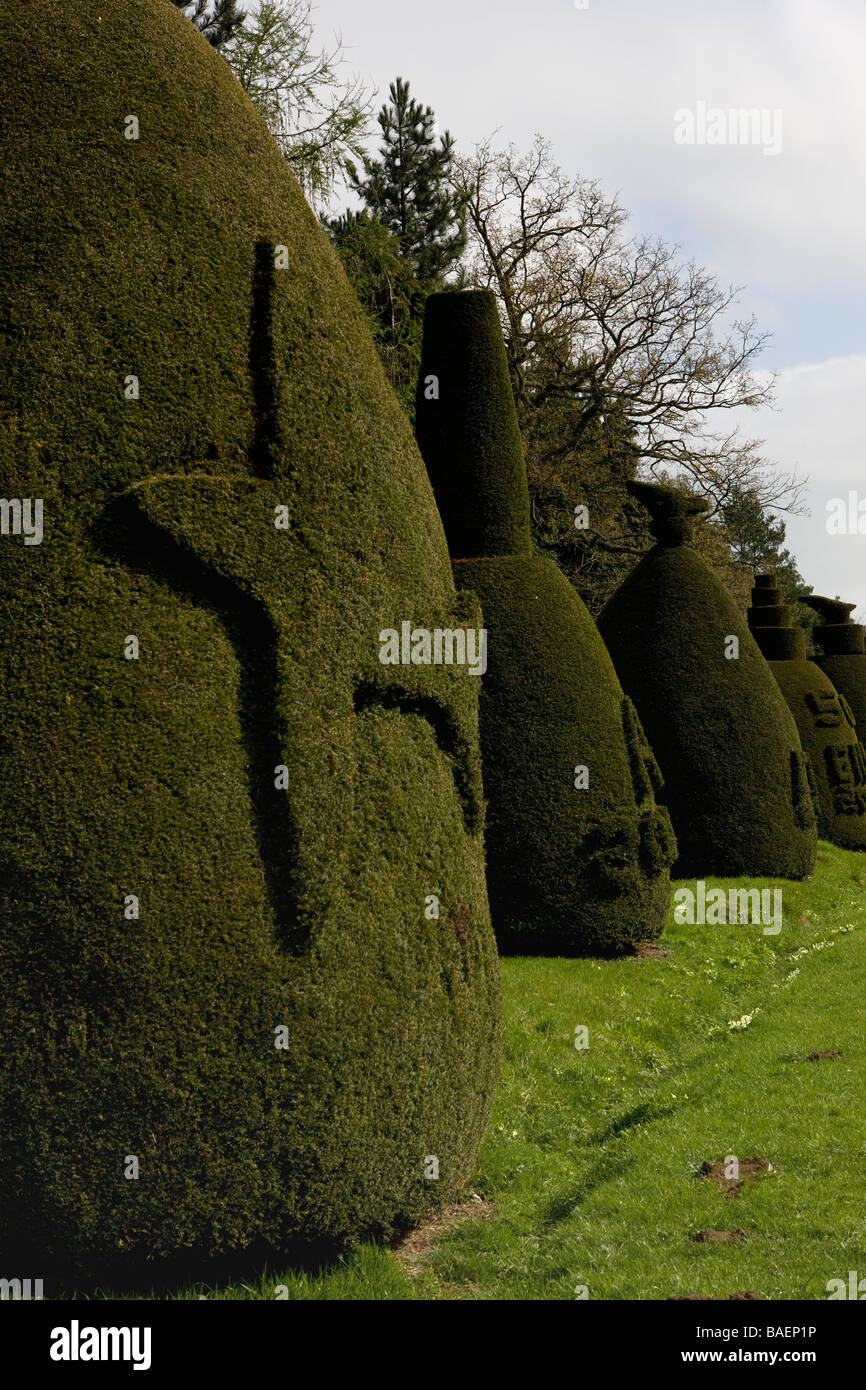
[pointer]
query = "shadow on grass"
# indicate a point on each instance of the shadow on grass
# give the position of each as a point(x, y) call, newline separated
point(562, 1207)
point(640, 1115)
point(159, 1279)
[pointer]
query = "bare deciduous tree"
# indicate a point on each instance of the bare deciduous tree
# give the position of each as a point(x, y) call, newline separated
point(598, 320)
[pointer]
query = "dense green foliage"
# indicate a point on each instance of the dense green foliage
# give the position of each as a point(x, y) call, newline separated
point(466, 426)
point(573, 865)
point(727, 746)
point(260, 908)
point(409, 189)
point(841, 652)
point(569, 871)
point(575, 463)
point(757, 542)
point(823, 716)
point(581, 456)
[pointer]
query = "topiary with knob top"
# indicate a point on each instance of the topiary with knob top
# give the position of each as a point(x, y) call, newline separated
point(727, 746)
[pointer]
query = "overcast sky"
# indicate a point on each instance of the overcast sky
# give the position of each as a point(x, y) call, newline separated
point(602, 83)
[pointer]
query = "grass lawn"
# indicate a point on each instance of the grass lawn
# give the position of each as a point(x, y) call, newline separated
point(589, 1169)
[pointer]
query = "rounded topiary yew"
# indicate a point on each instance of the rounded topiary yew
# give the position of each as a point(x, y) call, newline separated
point(842, 654)
point(578, 851)
point(823, 715)
point(735, 776)
point(244, 932)
point(571, 869)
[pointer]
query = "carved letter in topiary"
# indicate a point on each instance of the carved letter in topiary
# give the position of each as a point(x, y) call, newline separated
point(824, 717)
point(842, 652)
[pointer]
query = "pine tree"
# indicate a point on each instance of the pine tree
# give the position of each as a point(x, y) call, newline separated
point(408, 189)
point(757, 540)
point(390, 293)
point(217, 25)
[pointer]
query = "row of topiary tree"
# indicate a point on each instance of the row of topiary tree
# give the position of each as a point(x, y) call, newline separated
point(578, 847)
point(250, 984)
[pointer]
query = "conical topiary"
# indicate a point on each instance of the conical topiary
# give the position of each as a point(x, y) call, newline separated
point(823, 716)
point(843, 652)
point(726, 743)
point(250, 987)
point(467, 429)
point(578, 853)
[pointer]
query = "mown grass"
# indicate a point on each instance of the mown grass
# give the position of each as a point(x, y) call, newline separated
point(591, 1158)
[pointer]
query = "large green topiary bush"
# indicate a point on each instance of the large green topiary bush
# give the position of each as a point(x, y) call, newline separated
point(727, 746)
point(244, 933)
point(842, 654)
point(572, 868)
point(823, 716)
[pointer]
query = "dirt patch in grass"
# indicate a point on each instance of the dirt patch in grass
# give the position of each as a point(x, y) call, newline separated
point(648, 950)
point(710, 1237)
point(823, 1056)
point(748, 1168)
point(412, 1248)
point(749, 1295)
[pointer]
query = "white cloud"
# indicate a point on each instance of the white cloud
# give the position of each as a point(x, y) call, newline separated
point(603, 85)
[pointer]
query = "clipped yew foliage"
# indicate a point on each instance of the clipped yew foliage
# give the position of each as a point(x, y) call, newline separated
point(578, 850)
point(842, 652)
point(823, 715)
point(244, 932)
point(466, 426)
point(729, 752)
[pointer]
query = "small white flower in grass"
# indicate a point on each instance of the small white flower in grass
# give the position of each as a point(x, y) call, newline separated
point(738, 1024)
